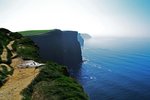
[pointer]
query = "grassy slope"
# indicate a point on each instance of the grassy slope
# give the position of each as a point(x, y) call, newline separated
point(54, 84)
point(33, 32)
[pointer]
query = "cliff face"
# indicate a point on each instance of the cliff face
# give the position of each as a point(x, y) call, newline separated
point(59, 46)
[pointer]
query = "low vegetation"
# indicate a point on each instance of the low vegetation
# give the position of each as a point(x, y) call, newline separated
point(53, 83)
point(26, 48)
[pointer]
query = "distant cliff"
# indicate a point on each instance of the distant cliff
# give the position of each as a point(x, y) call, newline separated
point(86, 36)
point(59, 46)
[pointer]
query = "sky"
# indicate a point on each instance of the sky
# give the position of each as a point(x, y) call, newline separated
point(130, 18)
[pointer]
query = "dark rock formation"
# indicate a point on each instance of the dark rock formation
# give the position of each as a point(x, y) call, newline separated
point(59, 46)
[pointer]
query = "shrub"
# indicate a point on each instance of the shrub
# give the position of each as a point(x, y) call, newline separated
point(27, 52)
point(25, 41)
point(15, 35)
point(9, 54)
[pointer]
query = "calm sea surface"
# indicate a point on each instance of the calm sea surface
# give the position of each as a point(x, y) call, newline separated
point(115, 69)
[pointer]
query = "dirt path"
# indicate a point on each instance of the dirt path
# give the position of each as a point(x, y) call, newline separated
point(16, 83)
point(5, 52)
point(20, 79)
point(9, 46)
point(4, 55)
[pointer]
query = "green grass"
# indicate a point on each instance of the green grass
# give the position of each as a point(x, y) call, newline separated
point(33, 32)
point(53, 83)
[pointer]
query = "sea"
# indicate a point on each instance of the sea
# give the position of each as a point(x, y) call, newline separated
point(115, 69)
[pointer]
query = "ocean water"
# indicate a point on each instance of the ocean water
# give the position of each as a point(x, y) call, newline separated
point(115, 69)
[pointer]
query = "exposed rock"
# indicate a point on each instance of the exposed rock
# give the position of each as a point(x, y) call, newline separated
point(30, 64)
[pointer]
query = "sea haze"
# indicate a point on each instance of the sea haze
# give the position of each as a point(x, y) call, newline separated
point(115, 69)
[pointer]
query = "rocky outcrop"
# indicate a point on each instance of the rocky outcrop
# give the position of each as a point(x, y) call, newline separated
point(59, 46)
point(30, 64)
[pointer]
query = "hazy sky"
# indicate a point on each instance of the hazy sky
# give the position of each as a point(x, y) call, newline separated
point(97, 17)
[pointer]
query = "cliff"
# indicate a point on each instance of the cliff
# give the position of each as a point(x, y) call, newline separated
point(59, 46)
point(49, 82)
point(86, 36)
